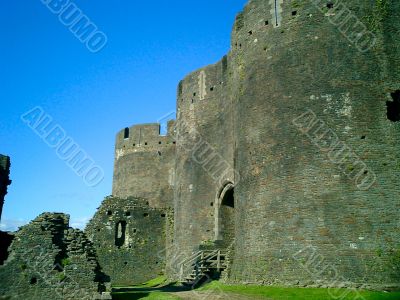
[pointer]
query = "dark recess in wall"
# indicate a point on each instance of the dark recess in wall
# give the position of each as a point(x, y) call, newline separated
point(393, 107)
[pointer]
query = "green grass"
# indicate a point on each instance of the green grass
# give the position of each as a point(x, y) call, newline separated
point(151, 283)
point(154, 282)
point(151, 290)
point(143, 295)
point(144, 291)
point(284, 293)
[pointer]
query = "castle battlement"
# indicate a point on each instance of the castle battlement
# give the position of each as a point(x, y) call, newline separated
point(145, 137)
point(144, 163)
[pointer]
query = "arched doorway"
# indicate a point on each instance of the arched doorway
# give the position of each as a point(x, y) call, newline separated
point(225, 215)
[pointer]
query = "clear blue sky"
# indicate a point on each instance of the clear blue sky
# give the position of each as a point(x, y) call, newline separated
point(151, 46)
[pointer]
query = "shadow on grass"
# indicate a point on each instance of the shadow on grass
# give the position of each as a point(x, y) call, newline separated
point(138, 292)
point(171, 288)
point(130, 296)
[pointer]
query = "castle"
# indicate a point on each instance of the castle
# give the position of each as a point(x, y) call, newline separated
point(282, 164)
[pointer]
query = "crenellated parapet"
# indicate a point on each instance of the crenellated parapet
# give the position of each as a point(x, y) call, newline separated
point(144, 137)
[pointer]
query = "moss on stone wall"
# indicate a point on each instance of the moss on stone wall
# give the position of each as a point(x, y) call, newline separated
point(49, 260)
point(134, 252)
point(377, 14)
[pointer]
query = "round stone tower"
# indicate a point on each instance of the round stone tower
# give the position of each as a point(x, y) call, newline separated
point(317, 108)
point(144, 164)
point(306, 110)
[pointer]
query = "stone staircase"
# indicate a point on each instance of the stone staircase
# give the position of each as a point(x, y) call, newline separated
point(201, 265)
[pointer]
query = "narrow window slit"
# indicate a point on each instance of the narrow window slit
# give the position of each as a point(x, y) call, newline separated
point(120, 233)
point(126, 133)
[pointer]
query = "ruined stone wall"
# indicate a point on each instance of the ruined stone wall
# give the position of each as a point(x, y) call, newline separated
point(49, 260)
point(144, 164)
point(5, 238)
point(294, 191)
point(204, 153)
point(130, 238)
point(4, 179)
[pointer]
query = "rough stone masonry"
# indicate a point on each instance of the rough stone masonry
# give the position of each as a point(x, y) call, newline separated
point(330, 185)
point(4, 179)
point(285, 153)
point(5, 237)
point(50, 260)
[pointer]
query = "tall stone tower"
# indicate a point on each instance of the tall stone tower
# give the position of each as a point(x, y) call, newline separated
point(4, 179)
point(305, 110)
point(316, 143)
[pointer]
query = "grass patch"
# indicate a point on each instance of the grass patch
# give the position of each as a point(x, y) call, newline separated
point(284, 293)
point(143, 295)
point(149, 284)
point(154, 282)
point(151, 290)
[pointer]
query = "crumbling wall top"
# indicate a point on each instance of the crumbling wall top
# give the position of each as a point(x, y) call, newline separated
point(145, 137)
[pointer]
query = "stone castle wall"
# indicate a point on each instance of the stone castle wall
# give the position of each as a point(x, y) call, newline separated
point(304, 182)
point(144, 164)
point(5, 237)
point(285, 152)
point(291, 195)
point(204, 154)
point(130, 238)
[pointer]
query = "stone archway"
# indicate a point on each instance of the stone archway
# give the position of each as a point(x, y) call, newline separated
point(225, 215)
